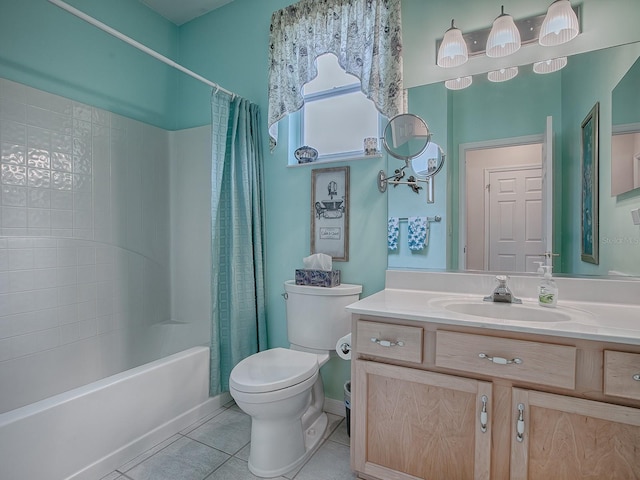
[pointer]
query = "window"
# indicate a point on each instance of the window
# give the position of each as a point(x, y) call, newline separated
point(336, 115)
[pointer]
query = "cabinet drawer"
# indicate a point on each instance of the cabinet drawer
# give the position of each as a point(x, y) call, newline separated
point(622, 374)
point(397, 342)
point(541, 363)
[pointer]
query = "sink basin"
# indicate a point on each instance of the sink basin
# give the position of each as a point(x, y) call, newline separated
point(504, 311)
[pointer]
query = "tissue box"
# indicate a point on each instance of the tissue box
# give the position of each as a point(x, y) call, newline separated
point(318, 278)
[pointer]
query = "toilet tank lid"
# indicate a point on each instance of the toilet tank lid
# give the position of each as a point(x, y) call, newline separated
point(342, 289)
point(273, 369)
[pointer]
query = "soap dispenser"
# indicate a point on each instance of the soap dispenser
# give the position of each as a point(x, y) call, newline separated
point(548, 290)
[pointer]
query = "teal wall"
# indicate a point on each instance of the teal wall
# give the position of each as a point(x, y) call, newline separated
point(626, 97)
point(429, 102)
point(47, 48)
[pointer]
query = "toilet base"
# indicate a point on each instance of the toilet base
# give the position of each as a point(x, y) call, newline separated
point(312, 438)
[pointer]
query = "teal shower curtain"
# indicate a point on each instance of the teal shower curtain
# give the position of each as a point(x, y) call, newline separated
point(238, 326)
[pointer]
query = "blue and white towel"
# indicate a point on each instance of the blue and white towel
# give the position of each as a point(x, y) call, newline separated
point(393, 229)
point(418, 233)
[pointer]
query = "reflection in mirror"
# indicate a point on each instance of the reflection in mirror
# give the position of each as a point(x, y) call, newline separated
point(428, 163)
point(406, 136)
point(625, 140)
point(489, 113)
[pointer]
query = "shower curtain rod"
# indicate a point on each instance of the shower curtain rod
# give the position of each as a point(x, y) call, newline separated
point(138, 45)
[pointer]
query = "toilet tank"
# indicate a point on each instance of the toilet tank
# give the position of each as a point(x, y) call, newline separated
point(316, 316)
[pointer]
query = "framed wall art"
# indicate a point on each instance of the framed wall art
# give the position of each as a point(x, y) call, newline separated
point(590, 188)
point(330, 212)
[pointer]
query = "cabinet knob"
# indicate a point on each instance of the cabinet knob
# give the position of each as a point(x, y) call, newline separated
point(500, 360)
point(484, 416)
point(520, 423)
point(636, 377)
point(387, 343)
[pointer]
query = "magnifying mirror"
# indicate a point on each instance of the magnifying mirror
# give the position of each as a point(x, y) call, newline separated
point(429, 162)
point(406, 136)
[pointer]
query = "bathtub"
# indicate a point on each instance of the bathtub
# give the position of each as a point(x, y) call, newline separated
point(89, 431)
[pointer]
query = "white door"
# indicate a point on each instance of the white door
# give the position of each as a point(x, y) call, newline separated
point(514, 219)
point(547, 192)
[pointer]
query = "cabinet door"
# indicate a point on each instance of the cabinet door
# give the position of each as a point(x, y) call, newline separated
point(571, 438)
point(413, 424)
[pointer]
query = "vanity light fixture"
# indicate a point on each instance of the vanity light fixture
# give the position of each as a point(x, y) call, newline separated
point(550, 66)
point(504, 38)
point(503, 74)
point(560, 24)
point(453, 49)
point(458, 83)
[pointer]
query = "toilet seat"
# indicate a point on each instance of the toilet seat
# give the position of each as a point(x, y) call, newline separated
point(272, 370)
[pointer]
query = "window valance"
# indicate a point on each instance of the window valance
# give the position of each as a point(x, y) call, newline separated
point(365, 36)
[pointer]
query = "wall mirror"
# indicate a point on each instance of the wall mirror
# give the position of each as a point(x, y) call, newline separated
point(493, 119)
point(625, 130)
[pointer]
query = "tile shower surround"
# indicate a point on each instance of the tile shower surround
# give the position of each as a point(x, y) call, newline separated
point(84, 243)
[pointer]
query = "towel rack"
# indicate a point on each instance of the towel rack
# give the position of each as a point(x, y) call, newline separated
point(437, 218)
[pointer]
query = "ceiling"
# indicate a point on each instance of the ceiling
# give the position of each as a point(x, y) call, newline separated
point(182, 11)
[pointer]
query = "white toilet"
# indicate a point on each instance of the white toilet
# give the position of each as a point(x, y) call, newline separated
point(281, 389)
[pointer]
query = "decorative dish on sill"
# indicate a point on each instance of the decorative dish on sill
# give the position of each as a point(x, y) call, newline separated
point(306, 154)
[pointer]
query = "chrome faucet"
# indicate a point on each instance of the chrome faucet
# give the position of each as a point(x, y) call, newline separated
point(502, 293)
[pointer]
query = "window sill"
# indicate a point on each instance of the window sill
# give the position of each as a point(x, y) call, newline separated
point(346, 158)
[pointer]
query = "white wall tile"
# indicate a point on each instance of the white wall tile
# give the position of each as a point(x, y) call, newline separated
point(21, 280)
point(21, 258)
point(45, 257)
point(14, 217)
point(67, 314)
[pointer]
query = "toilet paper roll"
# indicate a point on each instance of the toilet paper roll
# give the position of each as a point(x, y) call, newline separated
point(343, 347)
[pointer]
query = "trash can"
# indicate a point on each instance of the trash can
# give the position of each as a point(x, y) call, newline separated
point(347, 405)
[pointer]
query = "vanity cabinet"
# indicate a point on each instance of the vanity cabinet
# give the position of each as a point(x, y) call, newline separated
point(571, 438)
point(417, 424)
point(433, 401)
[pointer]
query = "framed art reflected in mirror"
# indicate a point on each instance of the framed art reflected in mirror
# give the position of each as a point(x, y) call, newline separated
point(589, 162)
point(330, 212)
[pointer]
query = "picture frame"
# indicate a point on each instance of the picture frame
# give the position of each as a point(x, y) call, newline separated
point(589, 130)
point(330, 212)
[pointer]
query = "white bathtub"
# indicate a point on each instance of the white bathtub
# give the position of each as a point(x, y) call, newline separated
point(90, 431)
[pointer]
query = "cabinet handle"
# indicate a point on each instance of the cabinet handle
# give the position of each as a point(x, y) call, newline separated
point(636, 377)
point(483, 414)
point(520, 423)
point(500, 360)
point(387, 343)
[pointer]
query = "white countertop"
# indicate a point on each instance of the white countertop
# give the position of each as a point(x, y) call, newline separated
point(610, 322)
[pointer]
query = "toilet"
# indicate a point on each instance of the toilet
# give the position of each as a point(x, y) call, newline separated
point(281, 388)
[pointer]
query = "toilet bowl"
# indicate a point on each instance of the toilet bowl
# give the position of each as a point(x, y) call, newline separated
point(282, 390)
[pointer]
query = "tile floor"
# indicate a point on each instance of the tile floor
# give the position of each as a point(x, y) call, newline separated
point(217, 448)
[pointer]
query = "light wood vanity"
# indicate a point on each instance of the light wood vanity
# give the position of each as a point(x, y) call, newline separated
point(441, 399)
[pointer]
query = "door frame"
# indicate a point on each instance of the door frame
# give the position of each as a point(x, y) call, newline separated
point(487, 194)
point(462, 182)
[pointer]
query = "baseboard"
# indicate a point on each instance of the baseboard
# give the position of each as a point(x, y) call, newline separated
point(335, 407)
point(143, 443)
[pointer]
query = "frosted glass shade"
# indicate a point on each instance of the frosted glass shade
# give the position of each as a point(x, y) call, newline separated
point(503, 74)
point(504, 38)
point(550, 66)
point(453, 49)
point(458, 83)
point(560, 25)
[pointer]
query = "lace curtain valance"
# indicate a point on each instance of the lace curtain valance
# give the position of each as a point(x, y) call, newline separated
point(365, 36)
